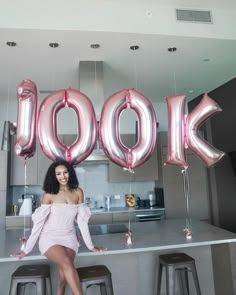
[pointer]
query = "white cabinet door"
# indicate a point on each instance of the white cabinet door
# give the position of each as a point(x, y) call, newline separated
point(103, 218)
point(124, 217)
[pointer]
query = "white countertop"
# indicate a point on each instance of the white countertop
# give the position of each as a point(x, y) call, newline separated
point(113, 210)
point(127, 209)
point(146, 236)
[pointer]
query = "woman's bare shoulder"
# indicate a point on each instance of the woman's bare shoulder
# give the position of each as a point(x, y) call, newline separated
point(80, 195)
point(46, 198)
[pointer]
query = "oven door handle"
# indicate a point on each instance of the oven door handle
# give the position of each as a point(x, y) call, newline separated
point(142, 218)
point(148, 215)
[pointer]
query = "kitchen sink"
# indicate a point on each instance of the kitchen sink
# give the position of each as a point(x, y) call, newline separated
point(102, 229)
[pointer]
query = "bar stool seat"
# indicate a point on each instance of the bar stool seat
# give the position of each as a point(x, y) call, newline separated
point(35, 274)
point(96, 275)
point(181, 264)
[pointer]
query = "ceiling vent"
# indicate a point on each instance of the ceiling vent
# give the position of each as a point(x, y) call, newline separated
point(196, 16)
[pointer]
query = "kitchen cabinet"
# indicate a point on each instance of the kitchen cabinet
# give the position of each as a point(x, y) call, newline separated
point(43, 163)
point(36, 167)
point(101, 218)
point(4, 166)
point(175, 203)
point(108, 218)
point(17, 166)
point(124, 217)
point(18, 222)
point(148, 171)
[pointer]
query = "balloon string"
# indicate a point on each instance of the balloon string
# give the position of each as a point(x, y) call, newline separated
point(186, 194)
point(53, 58)
point(25, 190)
point(8, 94)
point(8, 88)
point(130, 184)
point(130, 191)
point(95, 79)
point(129, 221)
point(175, 88)
point(174, 72)
point(135, 72)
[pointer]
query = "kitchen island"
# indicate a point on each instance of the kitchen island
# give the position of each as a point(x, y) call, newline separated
point(134, 267)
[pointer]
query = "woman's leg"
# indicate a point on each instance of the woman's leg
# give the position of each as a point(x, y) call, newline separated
point(64, 257)
point(62, 283)
point(62, 279)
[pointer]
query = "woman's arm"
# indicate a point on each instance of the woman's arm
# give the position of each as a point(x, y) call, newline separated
point(38, 217)
point(83, 216)
point(82, 220)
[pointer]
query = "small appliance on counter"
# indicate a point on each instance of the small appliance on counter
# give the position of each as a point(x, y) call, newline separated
point(108, 202)
point(26, 207)
point(29, 204)
point(143, 203)
point(152, 199)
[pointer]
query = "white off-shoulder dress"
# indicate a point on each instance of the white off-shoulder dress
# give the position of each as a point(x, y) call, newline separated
point(54, 224)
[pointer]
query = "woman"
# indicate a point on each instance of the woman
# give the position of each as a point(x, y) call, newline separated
point(62, 204)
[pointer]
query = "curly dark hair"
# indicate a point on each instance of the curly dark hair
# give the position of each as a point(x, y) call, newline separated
point(51, 185)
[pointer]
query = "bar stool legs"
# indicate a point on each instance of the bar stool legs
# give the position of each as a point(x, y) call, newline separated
point(195, 279)
point(177, 264)
point(36, 274)
point(96, 275)
point(183, 280)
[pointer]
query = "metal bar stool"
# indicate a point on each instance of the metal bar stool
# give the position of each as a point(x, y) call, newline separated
point(182, 264)
point(96, 275)
point(35, 274)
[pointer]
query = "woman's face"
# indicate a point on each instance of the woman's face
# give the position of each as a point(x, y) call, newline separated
point(62, 174)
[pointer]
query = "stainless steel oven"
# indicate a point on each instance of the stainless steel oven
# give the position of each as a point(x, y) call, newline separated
point(149, 215)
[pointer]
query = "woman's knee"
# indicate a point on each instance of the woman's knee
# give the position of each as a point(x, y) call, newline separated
point(66, 263)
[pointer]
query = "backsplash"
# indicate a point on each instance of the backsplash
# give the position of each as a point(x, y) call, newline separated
point(94, 182)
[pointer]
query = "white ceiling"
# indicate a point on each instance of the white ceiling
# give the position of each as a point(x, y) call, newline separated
point(152, 70)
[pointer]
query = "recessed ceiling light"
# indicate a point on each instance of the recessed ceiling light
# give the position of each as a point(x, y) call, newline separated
point(134, 47)
point(95, 46)
point(148, 13)
point(11, 43)
point(172, 49)
point(54, 44)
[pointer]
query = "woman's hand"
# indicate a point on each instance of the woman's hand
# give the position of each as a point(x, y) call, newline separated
point(98, 249)
point(19, 255)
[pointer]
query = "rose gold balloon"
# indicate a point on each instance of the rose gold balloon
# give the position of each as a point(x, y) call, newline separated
point(203, 111)
point(176, 147)
point(87, 126)
point(26, 119)
point(183, 131)
point(113, 147)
